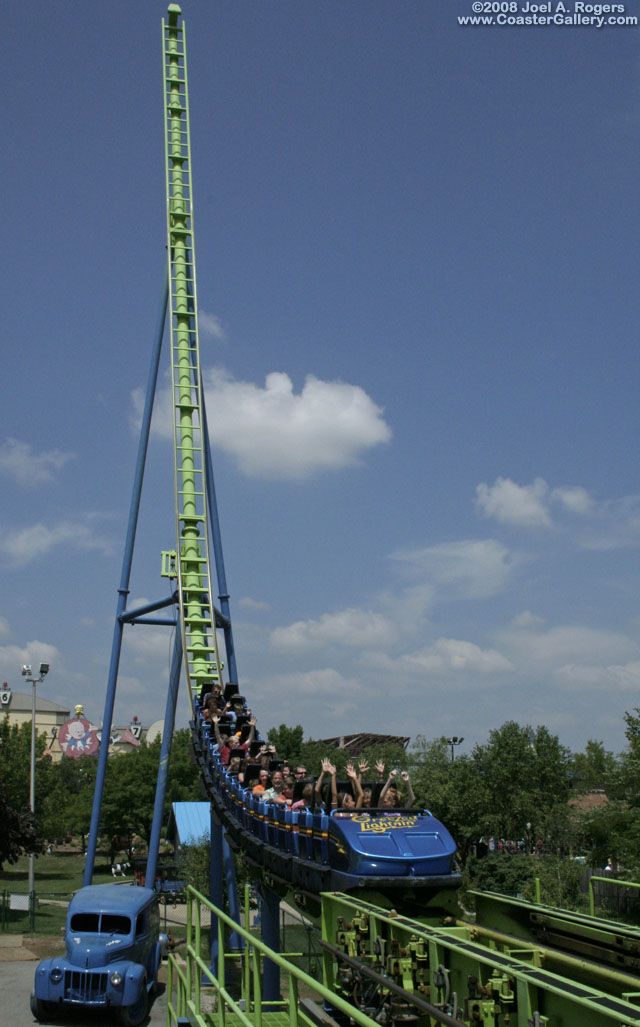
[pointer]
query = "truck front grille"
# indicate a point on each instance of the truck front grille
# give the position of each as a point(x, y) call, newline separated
point(85, 986)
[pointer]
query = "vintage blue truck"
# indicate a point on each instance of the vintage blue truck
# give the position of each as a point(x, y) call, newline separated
point(113, 953)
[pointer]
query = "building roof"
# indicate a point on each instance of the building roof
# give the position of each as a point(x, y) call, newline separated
point(21, 702)
point(357, 744)
point(589, 801)
point(189, 823)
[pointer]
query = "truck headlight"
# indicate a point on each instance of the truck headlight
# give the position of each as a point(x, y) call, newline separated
point(56, 975)
point(116, 979)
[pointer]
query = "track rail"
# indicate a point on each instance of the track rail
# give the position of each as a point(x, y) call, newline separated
point(474, 977)
point(192, 562)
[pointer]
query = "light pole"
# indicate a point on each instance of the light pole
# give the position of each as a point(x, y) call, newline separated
point(453, 742)
point(27, 673)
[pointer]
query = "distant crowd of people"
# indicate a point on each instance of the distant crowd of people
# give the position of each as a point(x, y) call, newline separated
point(232, 734)
point(486, 846)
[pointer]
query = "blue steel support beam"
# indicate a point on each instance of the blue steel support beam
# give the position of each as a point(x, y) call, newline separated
point(271, 938)
point(165, 753)
point(216, 540)
point(216, 883)
point(162, 621)
point(235, 941)
point(132, 615)
point(123, 590)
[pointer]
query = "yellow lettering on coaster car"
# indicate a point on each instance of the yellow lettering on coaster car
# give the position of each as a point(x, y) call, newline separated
point(382, 824)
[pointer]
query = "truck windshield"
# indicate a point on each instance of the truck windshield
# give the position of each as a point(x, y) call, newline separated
point(108, 923)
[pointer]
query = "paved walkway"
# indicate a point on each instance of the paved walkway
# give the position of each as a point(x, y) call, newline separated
point(12, 948)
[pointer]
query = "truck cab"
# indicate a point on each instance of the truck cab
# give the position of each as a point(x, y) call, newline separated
point(113, 953)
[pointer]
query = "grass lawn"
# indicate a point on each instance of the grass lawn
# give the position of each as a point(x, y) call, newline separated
point(57, 878)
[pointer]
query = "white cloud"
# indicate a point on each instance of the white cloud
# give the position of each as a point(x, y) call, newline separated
point(274, 433)
point(23, 545)
point(527, 619)
point(611, 524)
point(247, 603)
point(314, 697)
point(469, 569)
point(13, 657)
point(211, 325)
point(409, 608)
point(509, 503)
point(453, 654)
point(533, 649)
point(352, 627)
point(575, 499)
point(147, 643)
point(5, 630)
point(28, 468)
point(617, 677)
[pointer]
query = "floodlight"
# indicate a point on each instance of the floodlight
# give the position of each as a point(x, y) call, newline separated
point(44, 669)
point(26, 669)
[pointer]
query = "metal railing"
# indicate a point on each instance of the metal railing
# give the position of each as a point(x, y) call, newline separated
point(612, 882)
point(185, 984)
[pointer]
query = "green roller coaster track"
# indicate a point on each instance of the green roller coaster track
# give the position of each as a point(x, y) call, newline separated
point(192, 564)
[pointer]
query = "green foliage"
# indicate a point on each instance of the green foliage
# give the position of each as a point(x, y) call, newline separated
point(15, 762)
point(559, 882)
point(193, 865)
point(613, 831)
point(614, 828)
point(130, 788)
point(287, 740)
point(592, 768)
point(507, 874)
point(183, 781)
point(524, 774)
point(501, 872)
point(66, 808)
point(18, 834)
point(129, 794)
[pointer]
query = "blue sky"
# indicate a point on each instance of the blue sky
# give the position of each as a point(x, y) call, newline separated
point(417, 277)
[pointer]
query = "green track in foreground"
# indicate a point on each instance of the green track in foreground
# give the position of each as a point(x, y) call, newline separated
point(379, 968)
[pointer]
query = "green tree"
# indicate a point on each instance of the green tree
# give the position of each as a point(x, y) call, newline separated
point(129, 796)
point(19, 833)
point(525, 774)
point(15, 762)
point(500, 872)
point(66, 808)
point(614, 829)
point(287, 740)
point(183, 781)
point(592, 768)
point(130, 788)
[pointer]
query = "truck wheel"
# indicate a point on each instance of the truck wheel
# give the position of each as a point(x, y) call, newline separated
point(133, 1016)
point(44, 1012)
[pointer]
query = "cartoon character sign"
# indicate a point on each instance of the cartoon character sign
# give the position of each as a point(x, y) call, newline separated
point(78, 738)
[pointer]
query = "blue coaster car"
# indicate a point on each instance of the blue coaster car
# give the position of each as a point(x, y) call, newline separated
point(113, 953)
point(386, 843)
